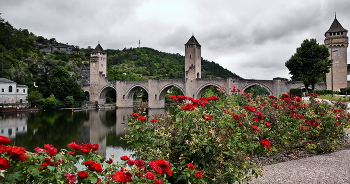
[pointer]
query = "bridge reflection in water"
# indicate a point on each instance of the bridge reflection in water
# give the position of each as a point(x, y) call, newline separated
point(102, 127)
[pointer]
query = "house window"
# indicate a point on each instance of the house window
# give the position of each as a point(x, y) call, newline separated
point(2, 90)
point(17, 90)
point(10, 89)
point(24, 90)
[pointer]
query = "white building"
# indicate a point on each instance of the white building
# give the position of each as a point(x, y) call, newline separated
point(11, 92)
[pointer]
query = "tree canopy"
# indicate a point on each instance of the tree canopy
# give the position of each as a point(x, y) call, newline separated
point(310, 63)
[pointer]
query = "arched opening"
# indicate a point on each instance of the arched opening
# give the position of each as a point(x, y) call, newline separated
point(167, 91)
point(87, 96)
point(139, 95)
point(108, 95)
point(256, 90)
point(208, 90)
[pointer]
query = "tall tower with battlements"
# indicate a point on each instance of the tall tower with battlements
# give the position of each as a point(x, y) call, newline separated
point(337, 42)
point(98, 64)
point(192, 59)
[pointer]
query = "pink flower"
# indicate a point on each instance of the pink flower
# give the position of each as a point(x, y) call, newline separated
point(70, 177)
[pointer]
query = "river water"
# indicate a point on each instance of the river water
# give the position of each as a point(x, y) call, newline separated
point(59, 128)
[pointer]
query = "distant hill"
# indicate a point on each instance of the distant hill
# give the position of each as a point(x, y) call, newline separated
point(144, 63)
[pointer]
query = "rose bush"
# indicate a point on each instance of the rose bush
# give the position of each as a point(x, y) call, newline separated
point(48, 165)
point(219, 135)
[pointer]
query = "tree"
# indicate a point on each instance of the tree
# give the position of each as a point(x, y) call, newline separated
point(34, 98)
point(309, 64)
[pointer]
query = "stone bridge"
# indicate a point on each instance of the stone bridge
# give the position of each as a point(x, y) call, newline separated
point(192, 85)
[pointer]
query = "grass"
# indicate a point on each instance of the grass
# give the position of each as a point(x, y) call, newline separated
point(335, 98)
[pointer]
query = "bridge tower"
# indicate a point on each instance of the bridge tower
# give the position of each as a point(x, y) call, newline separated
point(192, 59)
point(337, 42)
point(98, 68)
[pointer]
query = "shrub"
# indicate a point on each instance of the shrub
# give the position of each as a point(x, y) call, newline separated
point(219, 136)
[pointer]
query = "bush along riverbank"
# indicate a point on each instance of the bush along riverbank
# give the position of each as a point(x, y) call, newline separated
point(229, 136)
point(215, 139)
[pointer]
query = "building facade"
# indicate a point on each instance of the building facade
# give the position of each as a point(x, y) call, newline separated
point(337, 42)
point(11, 92)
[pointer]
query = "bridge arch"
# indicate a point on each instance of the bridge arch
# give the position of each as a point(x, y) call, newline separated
point(257, 84)
point(202, 88)
point(131, 91)
point(163, 91)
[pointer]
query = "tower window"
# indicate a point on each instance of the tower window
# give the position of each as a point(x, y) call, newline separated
point(190, 56)
point(10, 89)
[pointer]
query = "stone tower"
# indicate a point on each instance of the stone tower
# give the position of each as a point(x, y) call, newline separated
point(192, 59)
point(337, 42)
point(98, 68)
point(98, 64)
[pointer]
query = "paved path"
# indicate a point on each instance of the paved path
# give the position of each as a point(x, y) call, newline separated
point(333, 168)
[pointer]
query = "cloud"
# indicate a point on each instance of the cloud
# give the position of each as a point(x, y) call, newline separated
point(251, 38)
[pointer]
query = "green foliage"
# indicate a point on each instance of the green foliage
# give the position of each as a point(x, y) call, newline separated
point(325, 92)
point(310, 63)
point(50, 103)
point(296, 91)
point(219, 137)
point(34, 98)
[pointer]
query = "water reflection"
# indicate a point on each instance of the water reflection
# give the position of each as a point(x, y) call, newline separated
point(102, 127)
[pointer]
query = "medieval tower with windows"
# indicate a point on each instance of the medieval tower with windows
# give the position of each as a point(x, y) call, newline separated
point(337, 42)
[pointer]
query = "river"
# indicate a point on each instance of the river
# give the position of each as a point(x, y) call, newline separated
point(59, 128)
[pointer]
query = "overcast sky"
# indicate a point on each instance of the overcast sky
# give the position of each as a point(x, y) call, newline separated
point(252, 38)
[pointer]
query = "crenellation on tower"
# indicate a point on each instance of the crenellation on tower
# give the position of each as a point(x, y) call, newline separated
point(337, 42)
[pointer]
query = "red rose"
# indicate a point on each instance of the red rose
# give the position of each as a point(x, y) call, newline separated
point(235, 116)
point(141, 118)
point(198, 174)
point(188, 107)
point(130, 162)
point(265, 143)
point(150, 176)
point(83, 174)
point(139, 163)
point(267, 123)
point(4, 163)
point(206, 117)
point(158, 182)
point(109, 161)
point(118, 176)
point(96, 167)
point(124, 158)
point(74, 145)
point(254, 128)
point(134, 114)
point(190, 166)
point(239, 123)
point(154, 120)
point(4, 140)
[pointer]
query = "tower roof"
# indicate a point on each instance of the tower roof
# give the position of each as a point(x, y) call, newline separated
point(336, 27)
point(192, 41)
point(98, 49)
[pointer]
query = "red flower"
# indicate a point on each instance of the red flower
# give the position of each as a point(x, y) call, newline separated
point(235, 116)
point(158, 182)
point(124, 158)
point(267, 123)
point(198, 174)
point(74, 145)
point(254, 128)
point(336, 123)
point(141, 118)
point(4, 163)
point(134, 114)
point(336, 110)
point(139, 163)
point(206, 117)
point(172, 96)
point(265, 143)
point(190, 166)
point(239, 123)
point(109, 161)
point(83, 174)
point(322, 113)
point(16, 153)
point(118, 176)
point(150, 176)
point(154, 120)
point(70, 177)
point(304, 128)
point(227, 112)
point(4, 140)
point(71, 152)
point(130, 162)
point(188, 107)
